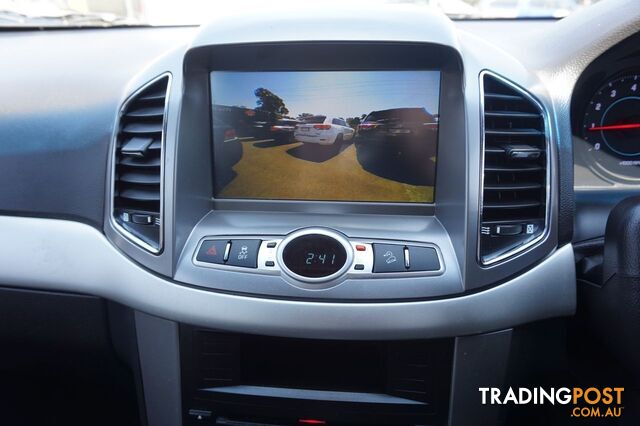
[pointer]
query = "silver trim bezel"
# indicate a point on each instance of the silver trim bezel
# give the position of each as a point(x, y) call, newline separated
point(316, 231)
point(366, 258)
point(547, 134)
point(114, 142)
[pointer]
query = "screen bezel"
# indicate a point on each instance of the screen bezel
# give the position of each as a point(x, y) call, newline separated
point(341, 56)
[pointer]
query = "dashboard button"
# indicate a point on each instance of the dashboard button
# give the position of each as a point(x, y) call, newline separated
point(212, 251)
point(244, 253)
point(423, 259)
point(388, 258)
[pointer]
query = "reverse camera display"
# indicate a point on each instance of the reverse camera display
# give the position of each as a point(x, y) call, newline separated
point(325, 135)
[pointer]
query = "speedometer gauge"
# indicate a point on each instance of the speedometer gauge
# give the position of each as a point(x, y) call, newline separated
point(611, 127)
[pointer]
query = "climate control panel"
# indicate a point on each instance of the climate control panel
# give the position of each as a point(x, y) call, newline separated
point(318, 256)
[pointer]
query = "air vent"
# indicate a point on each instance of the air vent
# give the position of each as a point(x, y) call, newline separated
point(137, 196)
point(514, 192)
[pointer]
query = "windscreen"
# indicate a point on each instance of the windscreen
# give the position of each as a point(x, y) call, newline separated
point(325, 135)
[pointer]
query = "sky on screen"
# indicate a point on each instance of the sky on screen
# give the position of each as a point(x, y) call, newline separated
point(332, 93)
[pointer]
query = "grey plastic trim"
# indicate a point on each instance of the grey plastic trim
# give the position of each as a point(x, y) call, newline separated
point(158, 347)
point(114, 143)
point(364, 285)
point(313, 22)
point(547, 135)
point(59, 255)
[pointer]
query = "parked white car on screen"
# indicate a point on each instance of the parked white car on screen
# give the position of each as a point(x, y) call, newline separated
point(323, 130)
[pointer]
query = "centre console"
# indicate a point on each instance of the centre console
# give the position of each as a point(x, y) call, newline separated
point(330, 175)
point(342, 170)
point(334, 225)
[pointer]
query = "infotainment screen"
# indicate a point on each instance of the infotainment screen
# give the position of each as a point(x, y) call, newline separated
point(325, 135)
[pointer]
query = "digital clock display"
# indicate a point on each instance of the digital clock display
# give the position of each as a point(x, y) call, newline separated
point(314, 256)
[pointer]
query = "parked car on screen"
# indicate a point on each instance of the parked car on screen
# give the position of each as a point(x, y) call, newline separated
point(227, 147)
point(323, 130)
point(399, 130)
point(283, 129)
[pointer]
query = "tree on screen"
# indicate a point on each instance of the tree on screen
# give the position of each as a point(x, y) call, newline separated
point(353, 122)
point(270, 102)
point(304, 115)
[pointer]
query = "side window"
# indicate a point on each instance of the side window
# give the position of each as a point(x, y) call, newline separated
point(343, 123)
point(336, 122)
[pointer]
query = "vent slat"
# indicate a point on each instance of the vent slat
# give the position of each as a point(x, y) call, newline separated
point(138, 165)
point(159, 96)
point(494, 149)
point(503, 97)
point(513, 132)
point(148, 112)
point(515, 161)
point(140, 194)
point(140, 162)
point(511, 114)
point(512, 168)
point(143, 128)
point(141, 178)
point(512, 205)
point(512, 187)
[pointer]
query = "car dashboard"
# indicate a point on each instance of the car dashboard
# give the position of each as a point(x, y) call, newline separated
point(125, 176)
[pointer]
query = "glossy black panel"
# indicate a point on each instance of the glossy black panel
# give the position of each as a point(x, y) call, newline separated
point(314, 256)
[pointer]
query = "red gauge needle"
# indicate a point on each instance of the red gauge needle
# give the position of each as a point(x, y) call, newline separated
point(616, 127)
